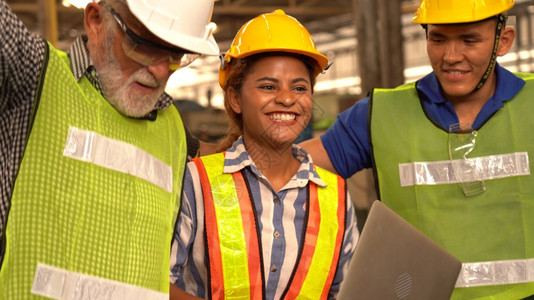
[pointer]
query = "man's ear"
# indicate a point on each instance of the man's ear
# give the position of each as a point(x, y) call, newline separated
point(93, 22)
point(233, 100)
point(506, 42)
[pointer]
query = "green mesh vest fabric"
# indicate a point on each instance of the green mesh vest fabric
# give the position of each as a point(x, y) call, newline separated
point(494, 225)
point(85, 218)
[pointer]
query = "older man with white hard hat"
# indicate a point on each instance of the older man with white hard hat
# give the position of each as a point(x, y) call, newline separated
point(92, 151)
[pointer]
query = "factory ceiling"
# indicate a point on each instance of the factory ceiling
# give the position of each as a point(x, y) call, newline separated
point(317, 15)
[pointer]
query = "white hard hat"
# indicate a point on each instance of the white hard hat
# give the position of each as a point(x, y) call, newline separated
point(183, 23)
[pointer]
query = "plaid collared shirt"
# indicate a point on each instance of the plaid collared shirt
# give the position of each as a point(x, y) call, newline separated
point(22, 56)
point(281, 217)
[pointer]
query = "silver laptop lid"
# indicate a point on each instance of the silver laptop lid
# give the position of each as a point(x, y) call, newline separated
point(394, 260)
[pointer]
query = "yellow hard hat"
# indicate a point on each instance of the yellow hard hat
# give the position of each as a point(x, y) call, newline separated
point(272, 32)
point(459, 11)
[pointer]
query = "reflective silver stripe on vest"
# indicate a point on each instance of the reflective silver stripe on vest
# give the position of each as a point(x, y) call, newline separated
point(116, 155)
point(57, 283)
point(496, 272)
point(468, 170)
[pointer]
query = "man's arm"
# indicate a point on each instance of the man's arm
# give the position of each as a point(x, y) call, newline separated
point(21, 58)
point(318, 153)
point(345, 147)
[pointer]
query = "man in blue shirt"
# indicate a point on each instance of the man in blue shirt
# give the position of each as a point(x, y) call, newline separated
point(450, 151)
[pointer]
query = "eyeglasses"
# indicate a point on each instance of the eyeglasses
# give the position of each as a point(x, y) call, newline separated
point(148, 53)
point(462, 139)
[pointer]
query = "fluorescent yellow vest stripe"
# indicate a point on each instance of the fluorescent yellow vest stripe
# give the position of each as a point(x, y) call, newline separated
point(492, 226)
point(315, 281)
point(230, 228)
point(81, 217)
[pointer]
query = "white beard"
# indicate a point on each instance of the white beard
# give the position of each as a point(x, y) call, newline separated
point(122, 97)
point(117, 90)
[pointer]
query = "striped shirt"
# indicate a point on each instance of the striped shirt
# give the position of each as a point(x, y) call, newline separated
point(281, 217)
point(22, 57)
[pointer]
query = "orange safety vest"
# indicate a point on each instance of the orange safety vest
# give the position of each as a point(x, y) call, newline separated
point(235, 270)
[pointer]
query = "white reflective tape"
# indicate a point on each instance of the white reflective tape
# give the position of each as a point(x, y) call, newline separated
point(496, 272)
point(116, 155)
point(61, 284)
point(468, 170)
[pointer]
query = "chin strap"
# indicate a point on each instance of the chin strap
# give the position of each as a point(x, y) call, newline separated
point(501, 21)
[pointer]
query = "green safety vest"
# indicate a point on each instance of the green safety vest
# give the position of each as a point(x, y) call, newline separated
point(496, 226)
point(96, 197)
point(235, 256)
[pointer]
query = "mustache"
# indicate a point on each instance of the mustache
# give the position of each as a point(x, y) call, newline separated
point(146, 78)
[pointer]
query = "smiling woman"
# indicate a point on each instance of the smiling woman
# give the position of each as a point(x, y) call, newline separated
point(275, 102)
point(271, 212)
point(271, 104)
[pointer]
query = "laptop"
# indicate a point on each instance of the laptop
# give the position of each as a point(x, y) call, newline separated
point(394, 260)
